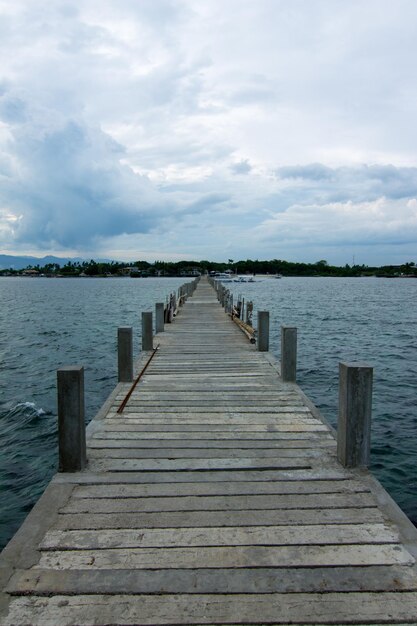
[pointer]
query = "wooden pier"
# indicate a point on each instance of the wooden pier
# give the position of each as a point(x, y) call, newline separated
point(215, 497)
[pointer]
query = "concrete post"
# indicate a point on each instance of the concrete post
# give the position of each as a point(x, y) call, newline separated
point(71, 424)
point(288, 354)
point(125, 354)
point(147, 338)
point(263, 331)
point(159, 317)
point(355, 408)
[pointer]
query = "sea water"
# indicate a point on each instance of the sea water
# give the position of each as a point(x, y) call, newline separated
point(49, 323)
point(370, 320)
point(45, 324)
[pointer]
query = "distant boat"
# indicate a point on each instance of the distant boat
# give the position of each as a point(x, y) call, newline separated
point(278, 276)
point(223, 277)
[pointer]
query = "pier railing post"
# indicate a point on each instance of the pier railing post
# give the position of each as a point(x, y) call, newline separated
point(288, 354)
point(159, 317)
point(355, 409)
point(125, 354)
point(147, 337)
point(71, 423)
point(263, 331)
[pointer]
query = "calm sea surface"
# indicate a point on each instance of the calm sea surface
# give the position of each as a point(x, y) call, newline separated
point(48, 323)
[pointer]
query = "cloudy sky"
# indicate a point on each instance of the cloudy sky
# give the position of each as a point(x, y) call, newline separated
point(209, 129)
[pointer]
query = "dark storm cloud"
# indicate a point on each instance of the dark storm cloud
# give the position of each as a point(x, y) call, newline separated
point(69, 188)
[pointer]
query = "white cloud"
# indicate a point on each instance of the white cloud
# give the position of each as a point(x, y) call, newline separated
point(161, 122)
point(362, 223)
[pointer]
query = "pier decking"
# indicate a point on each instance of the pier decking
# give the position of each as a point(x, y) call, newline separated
point(214, 498)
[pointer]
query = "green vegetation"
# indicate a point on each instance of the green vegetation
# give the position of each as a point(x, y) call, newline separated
point(187, 268)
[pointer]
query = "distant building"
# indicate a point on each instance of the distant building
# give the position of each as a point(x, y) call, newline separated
point(127, 271)
point(191, 271)
point(30, 273)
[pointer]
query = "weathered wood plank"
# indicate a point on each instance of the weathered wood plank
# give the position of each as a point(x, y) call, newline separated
point(219, 536)
point(220, 503)
point(122, 490)
point(223, 581)
point(371, 608)
point(260, 475)
point(142, 393)
point(236, 408)
point(114, 419)
point(215, 428)
point(178, 465)
point(194, 519)
point(227, 556)
point(207, 452)
point(294, 434)
point(278, 445)
point(228, 415)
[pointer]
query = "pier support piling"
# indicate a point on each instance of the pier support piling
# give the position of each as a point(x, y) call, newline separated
point(71, 422)
point(355, 409)
point(159, 317)
point(147, 337)
point(263, 331)
point(125, 354)
point(288, 353)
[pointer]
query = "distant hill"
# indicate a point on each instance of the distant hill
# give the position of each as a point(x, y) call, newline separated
point(8, 261)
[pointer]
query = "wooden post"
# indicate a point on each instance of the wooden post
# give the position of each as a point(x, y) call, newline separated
point(289, 354)
point(263, 331)
point(171, 308)
point(125, 354)
point(159, 317)
point(355, 409)
point(71, 423)
point(147, 338)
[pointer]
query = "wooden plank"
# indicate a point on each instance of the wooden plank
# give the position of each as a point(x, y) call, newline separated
point(219, 536)
point(220, 503)
point(203, 375)
point(207, 452)
point(180, 465)
point(202, 419)
point(371, 608)
point(240, 409)
point(122, 490)
point(227, 556)
point(218, 402)
point(211, 436)
point(194, 519)
point(223, 581)
point(228, 415)
point(215, 428)
point(259, 475)
point(264, 393)
point(278, 445)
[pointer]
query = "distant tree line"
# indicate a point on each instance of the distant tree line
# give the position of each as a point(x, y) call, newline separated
point(181, 268)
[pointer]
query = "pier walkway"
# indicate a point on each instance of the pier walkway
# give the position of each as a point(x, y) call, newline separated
point(214, 498)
